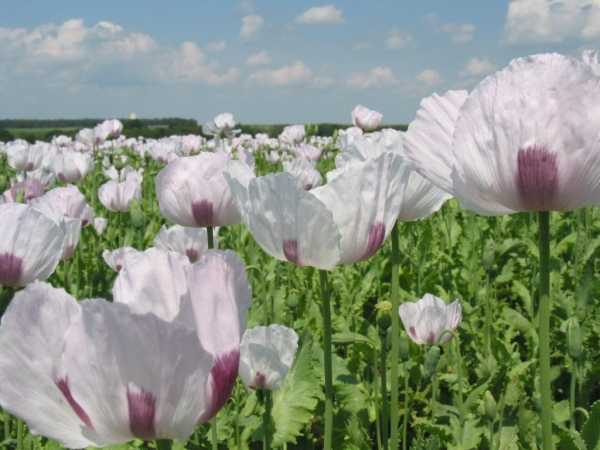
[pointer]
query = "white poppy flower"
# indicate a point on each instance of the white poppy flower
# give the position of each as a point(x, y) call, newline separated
point(428, 319)
point(266, 355)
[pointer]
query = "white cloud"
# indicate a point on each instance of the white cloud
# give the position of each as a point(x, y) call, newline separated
point(251, 25)
point(216, 46)
point(293, 74)
point(188, 64)
point(321, 15)
point(73, 54)
point(397, 39)
point(460, 33)
point(429, 77)
point(73, 41)
point(551, 21)
point(357, 46)
point(477, 67)
point(377, 77)
point(259, 59)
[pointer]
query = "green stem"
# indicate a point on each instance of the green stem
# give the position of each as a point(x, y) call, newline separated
point(213, 433)
point(6, 421)
point(544, 329)
point(488, 316)
point(164, 444)
point(20, 435)
point(327, 350)
point(434, 393)
point(459, 375)
point(213, 422)
point(384, 402)
point(572, 390)
point(406, 412)
point(266, 399)
point(210, 237)
point(394, 415)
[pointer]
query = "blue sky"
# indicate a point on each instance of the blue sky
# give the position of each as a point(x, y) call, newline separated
point(267, 61)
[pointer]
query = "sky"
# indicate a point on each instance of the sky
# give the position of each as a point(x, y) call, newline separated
point(267, 61)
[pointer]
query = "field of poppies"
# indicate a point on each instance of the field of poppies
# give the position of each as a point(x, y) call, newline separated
point(434, 289)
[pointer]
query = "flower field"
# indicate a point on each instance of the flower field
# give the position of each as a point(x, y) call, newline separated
point(434, 289)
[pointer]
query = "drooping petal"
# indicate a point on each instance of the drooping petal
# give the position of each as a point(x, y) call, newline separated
point(289, 223)
point(31, 341)
point(364, 200)
point(527, 138)
point(428, 140)
point(154, 281)
point(31, 244)
point(135, 375)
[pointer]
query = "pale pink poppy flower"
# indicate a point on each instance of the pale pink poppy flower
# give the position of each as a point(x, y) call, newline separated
point(150, 381)
point(71, 167)
point(192, 191)
point(67, 201)
point(307, 176)
point(116, 259)
point(31, 244)
point(292, 134)
point(117, 196)
point(211, 296)
point(430, 320)
point(189, 241)
point(24, 191)
point(266, 356)
point(366, 119)
point(525, 139)
point(100, 224)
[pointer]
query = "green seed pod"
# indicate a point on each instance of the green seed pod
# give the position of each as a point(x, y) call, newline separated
point(404, 348)
point(490, 405)
point(138, 219)
point(574, 338)
point(292, 300)
point(432, 358)
point(384, 321)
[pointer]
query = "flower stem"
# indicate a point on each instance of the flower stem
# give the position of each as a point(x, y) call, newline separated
point(164, 444)
point(384, 402)
point(395, 341)
point(210, 238)
point(544, 329)
point(213, 423)
point(406, 412)
point(213, 433)
point(572, 391)
point(266, 399)
point(20, 435)
point(327, 350)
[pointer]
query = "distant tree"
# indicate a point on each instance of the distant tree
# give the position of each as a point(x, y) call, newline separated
point(6, 135)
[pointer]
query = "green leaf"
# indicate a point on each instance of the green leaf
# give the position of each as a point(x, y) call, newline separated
point(591, 429)
point(571, 440)
point(509, 438)
point(352, 338)
point(295, 402)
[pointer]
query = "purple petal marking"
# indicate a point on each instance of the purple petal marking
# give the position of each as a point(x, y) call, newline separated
point(142, 410)
point(222, 379)
point(537, 178)
point(412, 332)
point(260, 381)
point(11, 269)
point(203, 213)
point(63, 385)
point(431, 338)
point(192, 255)
point(375, 240)
point(290, 251)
